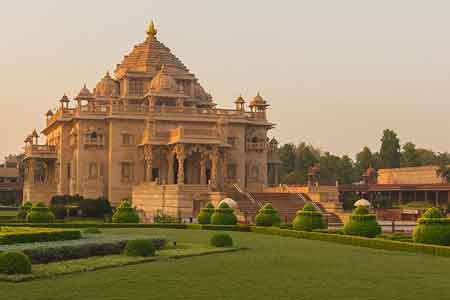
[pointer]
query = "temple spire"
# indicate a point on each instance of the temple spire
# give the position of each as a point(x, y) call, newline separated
point(151, 30)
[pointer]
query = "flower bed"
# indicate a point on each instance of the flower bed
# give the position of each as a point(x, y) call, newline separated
point(92, 245)
point(13, 235)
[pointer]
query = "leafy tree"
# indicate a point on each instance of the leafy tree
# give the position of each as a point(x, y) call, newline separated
point(390, 150)
point(410, 156)
point(443, 172)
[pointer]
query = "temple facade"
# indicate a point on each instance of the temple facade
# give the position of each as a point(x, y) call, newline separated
point(150, 133)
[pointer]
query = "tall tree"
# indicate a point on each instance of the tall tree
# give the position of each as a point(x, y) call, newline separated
point(390, 150)
point(410, 156)
point(364, 159)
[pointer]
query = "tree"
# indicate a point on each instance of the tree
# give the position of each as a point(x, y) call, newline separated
point(346, 171)
point(390, 150)
point(363, 160)
point(443, 172)
point(410, 156)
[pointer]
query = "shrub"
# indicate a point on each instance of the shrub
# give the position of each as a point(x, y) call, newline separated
point(362, 223)
point(432, 228)
point(139, 247)
point(40, 214)
point(95, 207)
point(309, 219)
point(23, 211)
point(221, 240)
point(204, 217)
point(163, 218)
point(223, 215)
point(59, 211)
point(14, 262)
point(92, 230)
point(125, 214)
point(14, 235)
point(267, 216)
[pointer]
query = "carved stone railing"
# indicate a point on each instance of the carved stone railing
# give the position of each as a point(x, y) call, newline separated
point(258, 146)
point(44, 151)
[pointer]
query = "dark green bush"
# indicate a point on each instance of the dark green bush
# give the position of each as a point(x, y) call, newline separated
point(267, 216)
point(432, 228)
point(223, 215)
point(309, 219)
point(204, 217)
point(362, 223)
point(23, 211)
point(92, 230)
point(94, 208)
point(40, 214)
point(14, 262)
point(125, 214)
point(36, 235)
point(163, 218)
point(221, 240)
point(59, 211)
point(139, 247)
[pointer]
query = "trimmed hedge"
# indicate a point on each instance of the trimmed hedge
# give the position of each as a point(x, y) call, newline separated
point(139, 247)
point(34, 235)
point(14, 262)
point(223, 215)
point(125, 214)
point(23, 211)
point(359, 241)
point(204, 217)
point(267, 216)
point(221, 240)
point(309, 219)
point(432, 228)
point(40, 214)
point(362, 223)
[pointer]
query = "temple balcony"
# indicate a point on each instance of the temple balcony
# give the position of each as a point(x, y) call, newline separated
point(193, 135)
point(256, 146)
point(40, 151)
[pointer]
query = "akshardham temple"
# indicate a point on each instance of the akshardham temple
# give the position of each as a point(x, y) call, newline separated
point(151, 133)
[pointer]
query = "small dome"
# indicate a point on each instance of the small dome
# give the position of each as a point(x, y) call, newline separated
point(239, 100)
point(231, 203)
point(64, 99)
point(163, 82)
point(362, 202)
point(49, 113)
point(274, 141)
point(85, 93)
point(258, 101)
point(28, 139)
point(106, 86)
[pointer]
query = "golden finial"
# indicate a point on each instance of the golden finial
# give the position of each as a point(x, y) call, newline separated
point(151, 30)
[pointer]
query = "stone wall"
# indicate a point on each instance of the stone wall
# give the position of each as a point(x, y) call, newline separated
point(417, 175)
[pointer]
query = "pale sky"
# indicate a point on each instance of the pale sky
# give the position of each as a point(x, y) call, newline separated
point(336, 73)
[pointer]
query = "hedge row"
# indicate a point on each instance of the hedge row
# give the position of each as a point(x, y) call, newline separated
point(43, 255)
point(34, 236)
point(374, 243)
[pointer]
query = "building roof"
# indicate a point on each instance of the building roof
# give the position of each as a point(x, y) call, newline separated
point(149, 56)
point(106, 87)
point(9, 172)
point(258, 101)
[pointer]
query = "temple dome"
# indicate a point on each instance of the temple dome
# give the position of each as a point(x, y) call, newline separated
point(163, 82)
point(85, 93)
point(106, 86)
point(258, 101)
point(239, 100)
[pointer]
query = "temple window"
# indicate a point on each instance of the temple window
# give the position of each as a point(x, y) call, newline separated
point(136, 87)
point(126, 172)
point(128, 139)
point(93, 170)
point(231, 171)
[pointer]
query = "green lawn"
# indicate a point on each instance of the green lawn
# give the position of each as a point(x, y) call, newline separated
point(274, 268)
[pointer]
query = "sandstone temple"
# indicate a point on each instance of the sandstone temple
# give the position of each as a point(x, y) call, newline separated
point(151, 133)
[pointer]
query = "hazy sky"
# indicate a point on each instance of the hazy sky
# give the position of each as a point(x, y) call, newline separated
point(336, 73)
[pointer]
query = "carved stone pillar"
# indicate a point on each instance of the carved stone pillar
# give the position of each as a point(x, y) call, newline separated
point(170, 179)
point(214, 162)
point(203, 169)
point(181, 156)
point(148, 157)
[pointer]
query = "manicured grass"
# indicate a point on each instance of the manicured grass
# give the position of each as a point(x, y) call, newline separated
point(274, 268)
point(40, 271)
point(8, 213)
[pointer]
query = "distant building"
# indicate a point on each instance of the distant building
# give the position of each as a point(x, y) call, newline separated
point(10, 180)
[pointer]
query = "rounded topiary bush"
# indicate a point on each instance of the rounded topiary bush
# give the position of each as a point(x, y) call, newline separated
point(14, 262)
point(204, 217)
point(309, 219)
point(432, 228)
point(40, 214)
point(139, 247)
point(267, 216)
point(221, 240)
point(23, 211)
point(125, 214)
point(362, 223)
point(223, 215)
